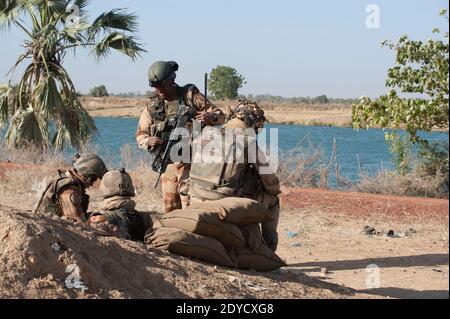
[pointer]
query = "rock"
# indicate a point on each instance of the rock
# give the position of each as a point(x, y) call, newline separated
point(410, 231)
point(292, 234)
point(437, 270)
point(296, 245)
point(324, 271)
point(369, 230)
point(393, 234)
point(56, 247)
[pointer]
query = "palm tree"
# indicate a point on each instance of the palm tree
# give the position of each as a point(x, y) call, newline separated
point(44, 109)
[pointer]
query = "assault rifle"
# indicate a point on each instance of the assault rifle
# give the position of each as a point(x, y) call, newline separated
point(170, 138)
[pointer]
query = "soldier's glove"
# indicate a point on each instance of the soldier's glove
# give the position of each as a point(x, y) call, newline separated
point(206, 117)
point(153, 141)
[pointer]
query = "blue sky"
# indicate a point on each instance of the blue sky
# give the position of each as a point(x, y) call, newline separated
point(285, 47)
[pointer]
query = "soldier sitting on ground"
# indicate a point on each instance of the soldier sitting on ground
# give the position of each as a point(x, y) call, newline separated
point(117, 215)
point(66, 195)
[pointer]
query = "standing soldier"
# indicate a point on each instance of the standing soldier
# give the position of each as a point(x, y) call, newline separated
point(66, 195)
point(159, 110)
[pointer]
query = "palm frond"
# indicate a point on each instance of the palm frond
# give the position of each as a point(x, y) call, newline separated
point(82, 5)
point(9, 11)
point(56, 7)
point(48, 100)
point(125, 44)
point(74, 33)
point(116, 19)
point(26, 127)
point(5, 92)
point(73, 124)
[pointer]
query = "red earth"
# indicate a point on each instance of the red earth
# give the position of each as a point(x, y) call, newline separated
point(362, 204)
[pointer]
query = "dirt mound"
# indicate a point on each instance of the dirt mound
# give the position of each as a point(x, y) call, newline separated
point(41, 257)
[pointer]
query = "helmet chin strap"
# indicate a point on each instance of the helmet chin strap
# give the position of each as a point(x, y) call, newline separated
point(87, 180)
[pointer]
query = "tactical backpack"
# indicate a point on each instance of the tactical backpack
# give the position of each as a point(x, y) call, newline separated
point(227, 177)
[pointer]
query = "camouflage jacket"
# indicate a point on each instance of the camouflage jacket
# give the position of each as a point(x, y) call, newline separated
point(157, 110)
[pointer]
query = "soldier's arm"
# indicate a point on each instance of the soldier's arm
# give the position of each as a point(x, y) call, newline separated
point(143, 133)
point(199, 102)
point(71, 203)
point(270, 181)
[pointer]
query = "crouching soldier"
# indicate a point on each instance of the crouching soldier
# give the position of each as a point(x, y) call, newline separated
point(212, 180)
point(117, 216)
point(66, 195)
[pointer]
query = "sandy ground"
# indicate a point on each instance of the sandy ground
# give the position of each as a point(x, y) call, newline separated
point(332, 246)
point(322, 239)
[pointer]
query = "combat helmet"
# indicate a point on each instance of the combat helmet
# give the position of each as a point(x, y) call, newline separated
point(90, 166)
point(116, 183)
point(160, 71)
point(249, 112)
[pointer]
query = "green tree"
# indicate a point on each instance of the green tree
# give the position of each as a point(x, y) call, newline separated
point(418, 96)
point(47, 110)
point(99, 91)
point(421, 69)
point(225, 82)
point(321, 99)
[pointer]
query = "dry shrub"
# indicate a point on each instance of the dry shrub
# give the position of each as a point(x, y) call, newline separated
point(22, 170)
point(413, 184)
point(302, 166)
point(30, 154)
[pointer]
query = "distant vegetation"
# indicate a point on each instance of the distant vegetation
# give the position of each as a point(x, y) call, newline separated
point(133, 95)
point(99, 91)
point(224, 83)
point(322, 99)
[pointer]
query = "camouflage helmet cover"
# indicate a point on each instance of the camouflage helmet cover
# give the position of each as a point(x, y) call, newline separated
point(90, 165)
point(249, 112)
point(116, 183)
point(160, 71)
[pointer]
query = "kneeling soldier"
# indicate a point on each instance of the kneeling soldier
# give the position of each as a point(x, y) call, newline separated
point(66, 195)
point(117, 215)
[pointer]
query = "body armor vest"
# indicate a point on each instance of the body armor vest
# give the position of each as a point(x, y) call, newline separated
point(163, 113)
point(49, 198)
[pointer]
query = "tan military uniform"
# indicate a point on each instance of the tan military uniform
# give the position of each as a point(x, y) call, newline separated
point(65, 196)
point(213, 181)
point(149, 123)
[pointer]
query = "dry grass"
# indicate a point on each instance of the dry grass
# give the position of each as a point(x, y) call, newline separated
point(23, 171)
point(304, 166)
point(392, 183)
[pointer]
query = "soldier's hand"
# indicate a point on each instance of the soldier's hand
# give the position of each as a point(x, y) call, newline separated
point(206, 117)
point(153, 141)
point(82, 219)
